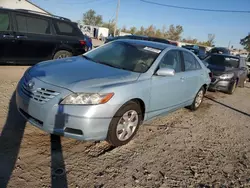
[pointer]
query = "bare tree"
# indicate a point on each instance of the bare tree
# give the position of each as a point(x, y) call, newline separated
point(90, 18)
point(210, 40)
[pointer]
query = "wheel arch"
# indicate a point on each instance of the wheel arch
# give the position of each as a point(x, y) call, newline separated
point(62, 47)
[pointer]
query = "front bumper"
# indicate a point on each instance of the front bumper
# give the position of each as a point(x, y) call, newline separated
point(220, 85)
point(74, 121)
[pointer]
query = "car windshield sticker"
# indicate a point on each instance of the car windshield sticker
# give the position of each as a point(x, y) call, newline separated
point(152, 50)
point(231, 59)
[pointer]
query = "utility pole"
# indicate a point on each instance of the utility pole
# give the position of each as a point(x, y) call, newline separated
point(116, 17)
point(229, 44)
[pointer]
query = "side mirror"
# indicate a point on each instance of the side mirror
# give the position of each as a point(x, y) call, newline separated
point(165, 72)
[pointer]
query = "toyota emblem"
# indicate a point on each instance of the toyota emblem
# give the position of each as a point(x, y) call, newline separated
point(31, 84)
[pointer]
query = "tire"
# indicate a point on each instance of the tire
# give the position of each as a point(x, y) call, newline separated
point(197, 100)
point(232, 88)
point(118, 135)
point(62, 54)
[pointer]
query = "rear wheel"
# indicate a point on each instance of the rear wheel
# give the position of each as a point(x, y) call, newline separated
point(197, 100)
point(124, 124)
point(62, 54)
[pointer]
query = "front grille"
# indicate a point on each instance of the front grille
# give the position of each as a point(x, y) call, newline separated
point(41, 95)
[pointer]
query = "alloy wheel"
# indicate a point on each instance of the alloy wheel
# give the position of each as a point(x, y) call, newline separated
point(127, 125)
point(199, 98)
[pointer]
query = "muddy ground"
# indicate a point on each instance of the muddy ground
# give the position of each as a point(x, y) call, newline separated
point(209, 147)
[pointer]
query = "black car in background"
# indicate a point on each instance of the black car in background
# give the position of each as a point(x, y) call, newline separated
point(200, 51)
point(28, 37)
point(218, 50)
point(138, 37)
point(228, 72)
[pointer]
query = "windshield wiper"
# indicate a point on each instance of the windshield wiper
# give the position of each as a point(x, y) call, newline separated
point(110, 65)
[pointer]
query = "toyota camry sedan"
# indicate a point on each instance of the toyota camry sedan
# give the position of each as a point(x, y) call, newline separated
point(108, 92)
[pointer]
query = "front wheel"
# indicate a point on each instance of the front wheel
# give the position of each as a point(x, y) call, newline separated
point(197, 100)
point(232, 88)
point(124, 124)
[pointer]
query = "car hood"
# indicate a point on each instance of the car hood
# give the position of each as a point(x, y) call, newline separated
point(219, 70)
point(76, 73)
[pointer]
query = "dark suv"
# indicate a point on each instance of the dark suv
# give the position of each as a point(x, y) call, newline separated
point(28, 37)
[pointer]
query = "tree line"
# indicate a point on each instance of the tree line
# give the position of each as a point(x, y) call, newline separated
point(173, 32)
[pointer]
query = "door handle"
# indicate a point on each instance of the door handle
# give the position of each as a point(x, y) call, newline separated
point(182, 78)
point(8, 36)
point(21, 37)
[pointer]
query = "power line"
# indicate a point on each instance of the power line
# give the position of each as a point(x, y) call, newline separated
point(198, 9)
point(82, 2)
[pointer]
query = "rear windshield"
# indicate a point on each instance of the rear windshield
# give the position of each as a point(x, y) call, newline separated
point(225, 61)
point(124, 55)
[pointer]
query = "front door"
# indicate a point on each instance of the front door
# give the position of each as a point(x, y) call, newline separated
point(34, 38)
point(7, 39)
point(168, 92)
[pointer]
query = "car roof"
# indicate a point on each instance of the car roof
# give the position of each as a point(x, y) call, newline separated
point(36, 13)
point(151, 44)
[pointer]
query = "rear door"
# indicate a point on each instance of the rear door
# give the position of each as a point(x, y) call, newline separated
point(7, 40)
point(69, 36)
point(193, 74)
point(34, 38)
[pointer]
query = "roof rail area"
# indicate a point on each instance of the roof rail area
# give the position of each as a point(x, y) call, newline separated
point(41, 13)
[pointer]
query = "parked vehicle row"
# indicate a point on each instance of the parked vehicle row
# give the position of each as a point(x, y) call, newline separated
point(28, 37)
point(86, 96)
point(92, 102)
point(228, 72)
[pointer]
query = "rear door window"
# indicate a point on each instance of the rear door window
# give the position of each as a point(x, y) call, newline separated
point(64, 28)
point(190, 62)
point(4, 21)
point(34, 25)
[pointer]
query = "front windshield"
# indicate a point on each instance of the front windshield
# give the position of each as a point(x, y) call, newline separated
point(124, 55)
point(223, 61)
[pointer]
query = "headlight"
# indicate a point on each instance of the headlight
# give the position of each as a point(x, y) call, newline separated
point(227, 76)
point(87, 98)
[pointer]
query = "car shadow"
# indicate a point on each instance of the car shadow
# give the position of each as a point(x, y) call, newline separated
point(58, 171)
point(232, 108)
point(10, 141)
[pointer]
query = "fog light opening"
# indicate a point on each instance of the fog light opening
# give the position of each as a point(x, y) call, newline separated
point(73, 131)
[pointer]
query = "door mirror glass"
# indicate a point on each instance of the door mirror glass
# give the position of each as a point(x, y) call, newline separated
point(165, 72)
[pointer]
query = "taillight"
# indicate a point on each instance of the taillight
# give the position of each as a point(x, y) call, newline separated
point(82, 42)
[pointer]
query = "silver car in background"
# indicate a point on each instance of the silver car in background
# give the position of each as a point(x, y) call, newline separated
point(108, 92)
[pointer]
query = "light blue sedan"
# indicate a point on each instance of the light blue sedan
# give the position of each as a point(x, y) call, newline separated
point(108, 92)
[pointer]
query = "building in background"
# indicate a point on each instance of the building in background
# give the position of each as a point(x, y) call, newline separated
point(94, 31)
point(22, 4)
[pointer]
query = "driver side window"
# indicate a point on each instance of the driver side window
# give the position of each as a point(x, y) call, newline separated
point(172, 60)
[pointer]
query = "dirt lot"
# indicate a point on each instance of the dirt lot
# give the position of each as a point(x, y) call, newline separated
point(210, 147)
